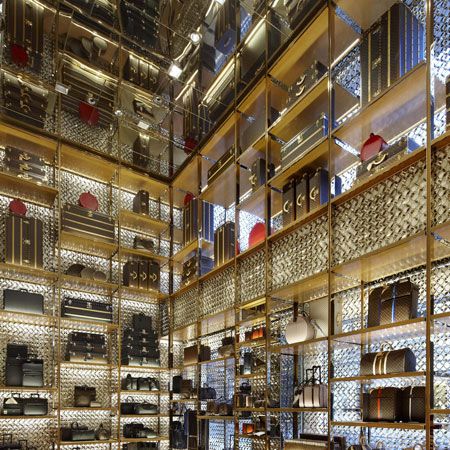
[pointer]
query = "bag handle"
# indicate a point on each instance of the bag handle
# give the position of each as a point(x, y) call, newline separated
point(387, 346)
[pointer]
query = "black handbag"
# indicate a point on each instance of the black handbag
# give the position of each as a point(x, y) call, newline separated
point(102, 434)
point(383, 405)
point(207, 393)
point(84, 395)
point(388, 361)
point(77, 432)
point(176, 384)
point(146, 408)
point(142, 322)
point(23, 301)
point(147, 384)
point(33, 372)
point(130, 383)
point(128, 407)
point(413, 404)
point(35, 405)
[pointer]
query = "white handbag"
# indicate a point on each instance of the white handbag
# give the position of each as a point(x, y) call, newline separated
point(300, 330)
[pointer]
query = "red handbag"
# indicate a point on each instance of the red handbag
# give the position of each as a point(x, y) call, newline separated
point(88, 201)
point(18, 207)
point(374, 145)
point(88, 113)
point(19, 55)
point(188, 198)
point(257, 234)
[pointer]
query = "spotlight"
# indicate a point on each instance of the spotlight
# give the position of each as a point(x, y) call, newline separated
point(175, 71)
point(195, 37)
point(62, 88)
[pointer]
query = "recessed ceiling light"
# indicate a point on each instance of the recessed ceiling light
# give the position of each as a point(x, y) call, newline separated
point(195, 37)
point(118, 112)
point(175, 71)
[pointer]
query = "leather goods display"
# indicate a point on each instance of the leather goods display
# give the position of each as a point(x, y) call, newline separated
point(22, 368)
point(141, 202)
point(25, 33)
point(25, 101)
point(23, 301)
point(141, 73)
point(260, 174)
point(196, 266)
point(92, 224)
point(190, 355)
point(388, 361)
point(391, 47)
point(86, 309)
point(225, 161)
point(312, 393)
point(131, 407)
point(225, 31)
point(89, 273)
point(318, 188)
point(142, 243)
point(190, 221)
point(135, 430)
point(102, 434)
point(374, 145)
point(413, 404)
point(305, 82)
point(34, 405)
point(33, 372)
point(207, 393)
point(207, 221)
point(88, 201)
point(302, 143)
point(288, 202)
point(383, 405)
point(25, 165)
point(83, 396)
point(142, 323)
point(130, 383)
point(17, 207)
point(308, 441)
point(301, 196)
point(300, 330)
point(142, 274)
point(301, 11)
point(224, 243)
point(24, 241)
point(141, 24)
point(86, 347)
point(397, 302)
point(379, 160)
point(93, 99)
point(257, 234)
point(140, 346)
point(77, 432)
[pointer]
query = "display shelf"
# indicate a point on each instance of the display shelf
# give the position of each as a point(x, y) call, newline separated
point(85, 365)
point(250, 376)
point(148, 295)
point(181, 255)
point(225, 318)
point(442, 141)
point(365, 12)
point(258, 318)
point(214, 417)
point(310, 288)
point(183, 400)
point(253, 303)
point(297, 410)
point(250, 409)
point(256, 149)
point(401, 106)
point(251, 250)
point(28, 274)
point(78, 443)
point(86, 164)
point(440, 412)
point(400, 256)
point(382, 333)
point(395, 165)
point(216, 270)
point(185, 332)
point(141, 222)
point(131, 253)
point(26, 389)
point(441, 243)
point(82, 409)
point(214, 191)
point(155, 439)
point(252, 436)
point(83, 244)
point(87, 285)
point(374, 378)
point(133, 181)
point(399, 425)
point(254, 203)
point(24, 318)
point(299, 348)
point(46, 417)
point(186, 181)
point(223, 135)
point(144, 416)
point(138, 392)
point(27, 190)
point(216, 361)
point(252, 343)
point(126, 368)
point(79, 323)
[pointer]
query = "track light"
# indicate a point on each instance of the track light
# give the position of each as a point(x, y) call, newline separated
point(175, 71)
point(195, 37)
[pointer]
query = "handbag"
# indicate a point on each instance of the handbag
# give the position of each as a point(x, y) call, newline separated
point(77, 432)
point(363, 445)
point(88, 201)
point(84, 395)
point(102, 434)
point(146, 408)
point(23, 301)
point(388, 361)
point(177, 436)
point(35, 405)
point(186, 388)
point(207, 393)
point(312, 394)
point(300, 330)
point(383, 405)
point(33, 372)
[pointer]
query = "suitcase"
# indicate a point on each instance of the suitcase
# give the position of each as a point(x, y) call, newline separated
point(141, 202)
point(87, 357)
point(77, 433)
point(383, 405)
point(84, 396)
point(86, 347)
point(413, 404)
point(23, 301)
point(399, 302)
point(205, 353)
point(207, 221)
point(312, 394)
point(319, 191)
point(89, 223)
point(131, 274)
point(25, 170)
point(374, 307)
point(225, 30)
point(143, 271)
point(141, 152)
point(391, 47)
point(193, 267)
point(288, 202)
point(388, 361)
point(153, 275)
point(35, 405)
point(224, 243)
point(33, 372)
point(142, 322)
point(86, 309)
point(260, 174)
point(141, 73)
point(24, 241)
point(190, 355)
point(301, 196)
point(190, 221)
point(25, 101)
point(300, 12)
point(13, 370)
point(302, 143)
point(377, 162)
point(141, 352)
point(128, 360)
point(221, 165)
point(91, 338)
point(25, 28)
point(305, 82)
